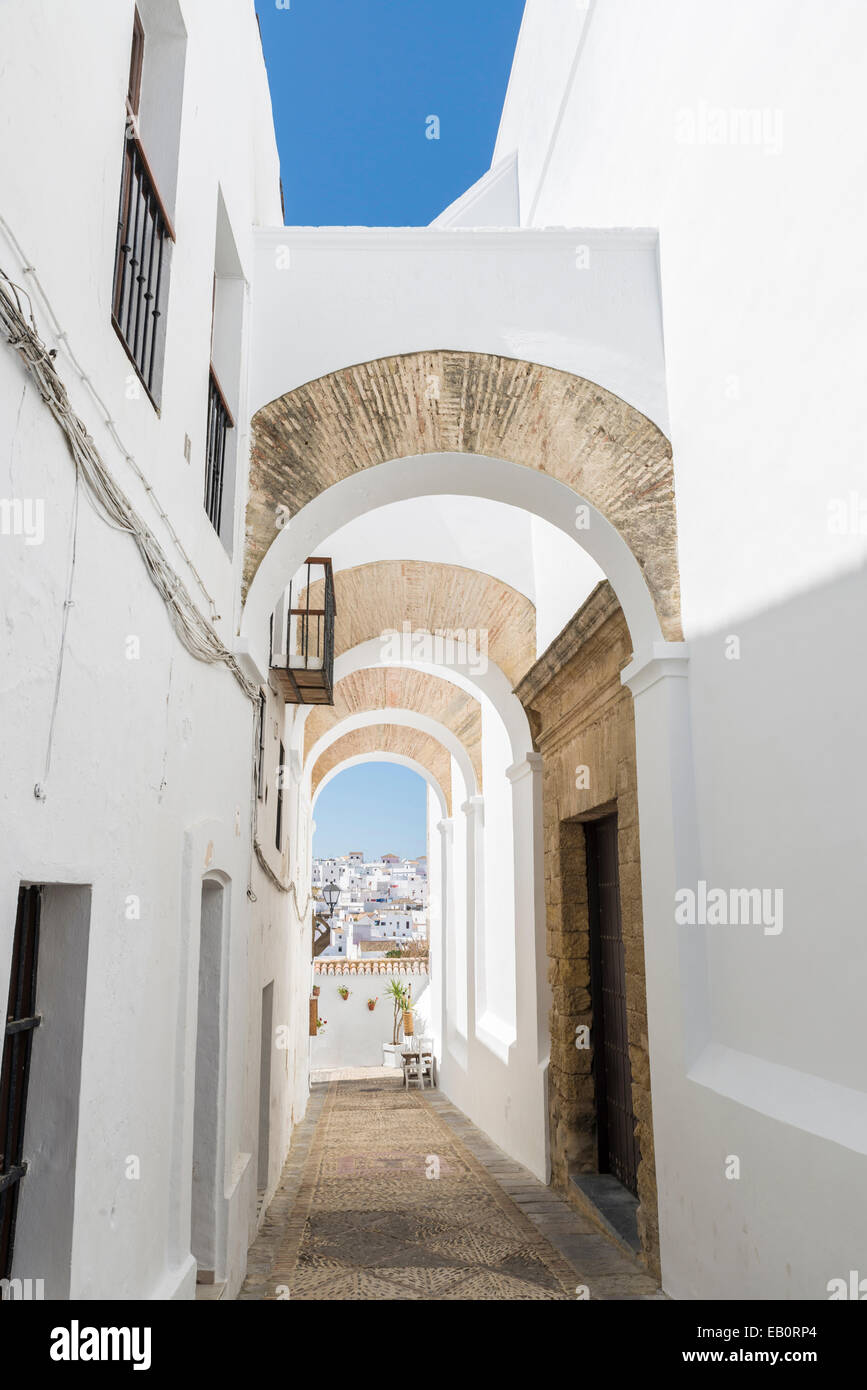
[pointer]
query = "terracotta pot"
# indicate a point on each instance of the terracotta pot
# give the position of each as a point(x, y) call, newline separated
point(315, 991)
point(371, 1005)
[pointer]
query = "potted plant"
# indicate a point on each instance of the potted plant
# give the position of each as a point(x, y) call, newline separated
point(371, 1004)
point(320, 1024)
point(408, 1012)
point(343, 992)
point(315, 991)
point(398, 994)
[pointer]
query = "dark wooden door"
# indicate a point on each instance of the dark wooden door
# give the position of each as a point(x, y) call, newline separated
point(618, 1150)
point(21, 1019)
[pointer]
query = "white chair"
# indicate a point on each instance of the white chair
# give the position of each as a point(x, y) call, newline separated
point(427, 1061)
point(412, 1063)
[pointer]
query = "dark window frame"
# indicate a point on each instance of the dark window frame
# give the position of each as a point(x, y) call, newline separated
point(136, 64)
point(144, 233)
point(278, 834)
point(21, 1022)
point(260, 768)
point(220, 421)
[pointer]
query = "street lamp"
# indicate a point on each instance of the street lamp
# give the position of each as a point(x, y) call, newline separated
point(331, 893)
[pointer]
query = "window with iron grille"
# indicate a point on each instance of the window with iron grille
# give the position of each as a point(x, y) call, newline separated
point(142, 249)
point(219, 423)
point(279, 833)
point(260, 765)
point(21, 1020)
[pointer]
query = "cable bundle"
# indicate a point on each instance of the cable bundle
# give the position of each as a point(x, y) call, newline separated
point(193, 629)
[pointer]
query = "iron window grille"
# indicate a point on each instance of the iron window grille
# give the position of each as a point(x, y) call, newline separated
point(260, 765)
point(219, 423)
point(278, 837)
point(141, 261)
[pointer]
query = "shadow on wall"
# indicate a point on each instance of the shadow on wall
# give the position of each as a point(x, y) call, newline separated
point(774, 727)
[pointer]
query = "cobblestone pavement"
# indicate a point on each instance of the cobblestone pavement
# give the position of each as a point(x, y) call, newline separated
point(393, 1194)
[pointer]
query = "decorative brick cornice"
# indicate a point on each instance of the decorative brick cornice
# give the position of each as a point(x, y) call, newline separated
point(590, 618)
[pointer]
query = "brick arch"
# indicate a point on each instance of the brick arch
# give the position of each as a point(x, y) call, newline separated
point(463, 402)
point(390, 687)
point(411, 743)
point(381, 596)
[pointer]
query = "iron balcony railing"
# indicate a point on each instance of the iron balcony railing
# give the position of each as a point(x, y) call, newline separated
point(144, 234)
point(302, 637)
point(219, 423)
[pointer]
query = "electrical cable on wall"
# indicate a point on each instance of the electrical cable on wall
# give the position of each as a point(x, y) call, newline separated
point(117, 511)
point(39, 790)
point(109, 500)
point(62, 337)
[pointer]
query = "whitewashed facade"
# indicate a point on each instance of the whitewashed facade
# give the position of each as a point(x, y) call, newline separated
point(660, 166)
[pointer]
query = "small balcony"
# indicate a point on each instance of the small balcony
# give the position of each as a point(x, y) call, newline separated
point(302, 637)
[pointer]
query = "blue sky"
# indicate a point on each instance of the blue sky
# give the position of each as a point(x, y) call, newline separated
point(379, 808)
point(352, 84)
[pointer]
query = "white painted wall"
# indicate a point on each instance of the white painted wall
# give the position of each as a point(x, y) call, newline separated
point(150, 773)
point(354, 1034)
point(358, 293)
point(762, 258)
point(756, 1046)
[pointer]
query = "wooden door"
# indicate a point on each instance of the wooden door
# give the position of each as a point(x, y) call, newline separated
point(618, 1149)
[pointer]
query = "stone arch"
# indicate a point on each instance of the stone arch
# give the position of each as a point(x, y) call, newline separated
point(492, 690)
point(400, 759)
point(406, 719)
point(384, 595)
point(463, 475)
point(393, 687)
point(388, 738)
point(573, 430)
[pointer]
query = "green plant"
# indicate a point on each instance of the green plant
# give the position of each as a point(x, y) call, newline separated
point(401, 998)
point(343, 992)
point(320, 1024)
point(399, 995)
